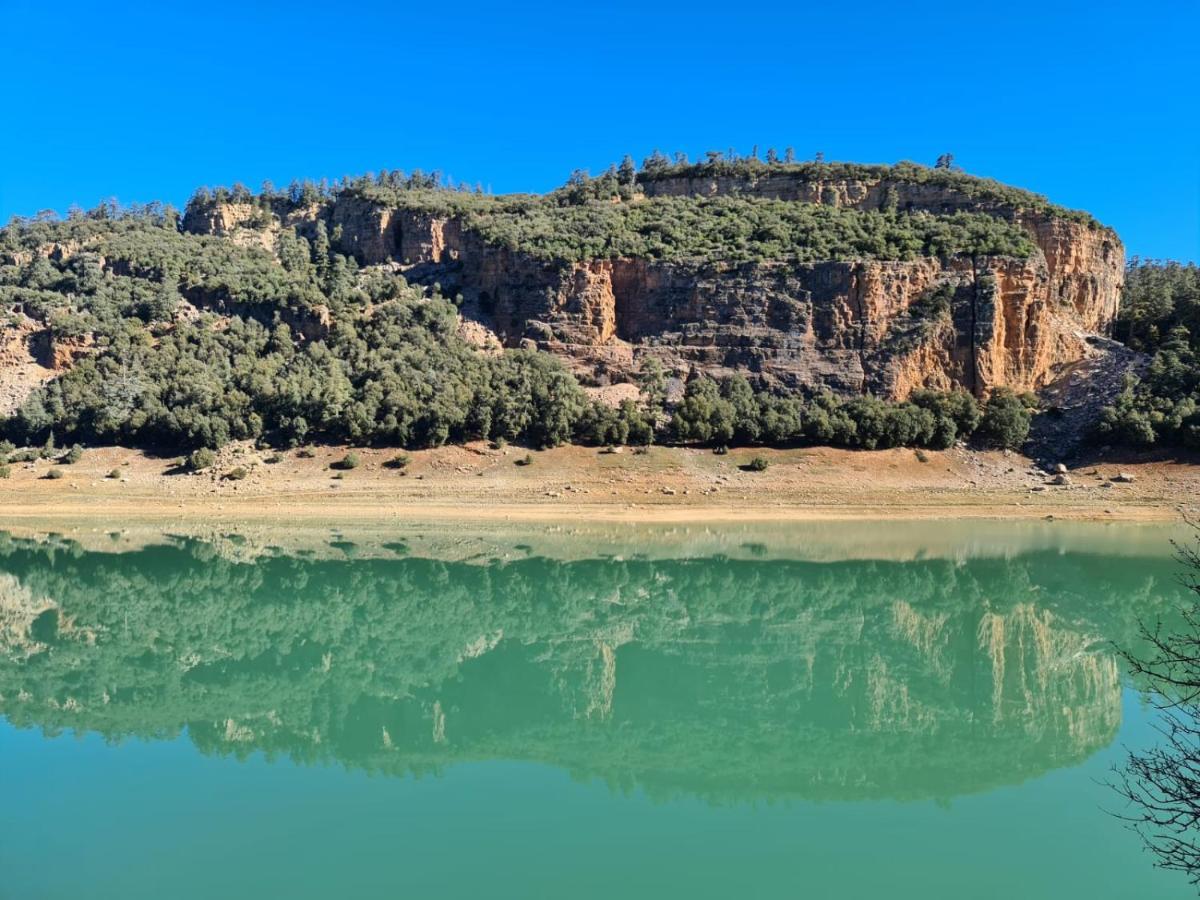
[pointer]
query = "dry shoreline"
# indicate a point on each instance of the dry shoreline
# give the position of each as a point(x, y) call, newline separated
point(575, 484)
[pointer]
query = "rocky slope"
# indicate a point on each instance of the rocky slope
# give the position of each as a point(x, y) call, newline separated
point(853, 325)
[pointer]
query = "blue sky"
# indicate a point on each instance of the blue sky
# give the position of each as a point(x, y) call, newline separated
point(1094, 104)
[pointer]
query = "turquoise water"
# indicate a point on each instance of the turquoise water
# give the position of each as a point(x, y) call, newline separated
point(197, 720)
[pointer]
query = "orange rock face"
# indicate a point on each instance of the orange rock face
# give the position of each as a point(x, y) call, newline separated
point(886, 328)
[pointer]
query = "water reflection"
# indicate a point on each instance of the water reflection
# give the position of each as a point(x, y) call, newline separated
point(727, 679)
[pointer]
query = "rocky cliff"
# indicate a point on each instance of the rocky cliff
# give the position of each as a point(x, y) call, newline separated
point(852, 325)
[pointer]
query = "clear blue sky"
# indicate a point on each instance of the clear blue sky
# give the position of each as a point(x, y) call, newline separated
point(1094, 104)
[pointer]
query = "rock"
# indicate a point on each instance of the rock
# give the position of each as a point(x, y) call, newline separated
point(1060, 469)
point(1060, 479)
point(842, 324)
point(1124, 478)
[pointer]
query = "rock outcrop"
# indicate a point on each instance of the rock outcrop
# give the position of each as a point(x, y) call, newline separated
point(854, 326)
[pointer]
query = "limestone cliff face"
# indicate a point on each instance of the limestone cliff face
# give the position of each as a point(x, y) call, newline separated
point(851, 326)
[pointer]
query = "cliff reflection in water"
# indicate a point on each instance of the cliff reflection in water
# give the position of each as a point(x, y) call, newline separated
point(726, 679)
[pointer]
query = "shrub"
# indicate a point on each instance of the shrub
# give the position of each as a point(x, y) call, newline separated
point(399, 461)
point(758, 464)
point(1005, 421)
point(72, 456)
point(54, 474)
point(305, 453)
point(922, 456)
point(236, 474)
point(203, 458)
point(115, 473)
point(5, 471)
point(273, 459)
point(346, 463)
point(525, 460)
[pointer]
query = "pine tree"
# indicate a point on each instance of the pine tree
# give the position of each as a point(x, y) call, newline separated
point(627, 173)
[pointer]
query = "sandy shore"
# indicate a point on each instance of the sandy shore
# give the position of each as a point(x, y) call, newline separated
point(575, 484)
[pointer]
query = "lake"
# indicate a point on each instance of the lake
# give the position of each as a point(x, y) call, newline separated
point(840, 710)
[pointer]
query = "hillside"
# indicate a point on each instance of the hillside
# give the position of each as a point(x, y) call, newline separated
point(801, 303)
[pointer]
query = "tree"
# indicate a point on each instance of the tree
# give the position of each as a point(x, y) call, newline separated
point(772, 156)
point(1160, 785)
point(652, 382)
point(703, 416)
point(655, 162)
point(789, 155)
point(819, 158)
point(945, 161)
point(627, 172)
point(1005, 421)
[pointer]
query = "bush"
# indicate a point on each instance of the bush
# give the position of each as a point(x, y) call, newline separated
point(115, 473)
point(200, 459)
point(1005, 421)
point(273, 459)
point(305, 453)
point(236, 474)
point(758, 464)
point(22, 456)
point(54, 474)
point(72, 456)
point(346, 463)
point(399, 461)
point(526, 460)
point(5, 471)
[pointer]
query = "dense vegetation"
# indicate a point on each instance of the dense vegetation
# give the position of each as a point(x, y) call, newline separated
point(729, 164)
point(741, 229)
point(1160, 316)
point(193, 341)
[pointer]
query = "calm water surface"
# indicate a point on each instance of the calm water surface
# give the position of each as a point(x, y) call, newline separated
point(199, 719)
